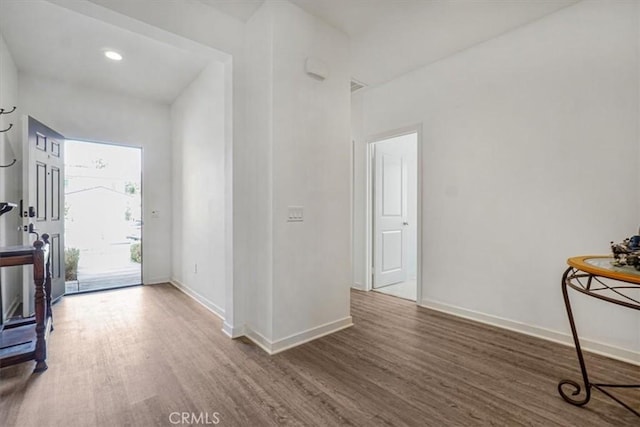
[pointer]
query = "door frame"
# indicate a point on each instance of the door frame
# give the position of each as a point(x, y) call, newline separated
point(369, 208)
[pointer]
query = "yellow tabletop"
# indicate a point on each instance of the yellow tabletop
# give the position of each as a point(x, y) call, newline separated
point(602, 265)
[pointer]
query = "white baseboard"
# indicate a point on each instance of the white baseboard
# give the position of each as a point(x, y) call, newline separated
point(274, 347)
point(358, 286)
point(208, 304)
point(259, 340)
point(535, 331)
point(156, 281)
point(233, 332)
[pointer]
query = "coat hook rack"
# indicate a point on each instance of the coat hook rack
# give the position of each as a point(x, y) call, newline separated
point(10, 164)
point(7, 112)
point(2, 111)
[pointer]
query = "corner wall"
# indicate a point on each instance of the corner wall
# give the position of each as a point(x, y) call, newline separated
point(311, 168)
point(530, 156)
point(253, 183)
point(198, 169)
point(297, 154)
point(94, 115)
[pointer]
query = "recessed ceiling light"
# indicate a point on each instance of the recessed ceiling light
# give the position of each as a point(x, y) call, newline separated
point(114, 56)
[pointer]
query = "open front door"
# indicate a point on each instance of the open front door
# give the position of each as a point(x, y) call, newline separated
point(390, 244)
point(43, 200)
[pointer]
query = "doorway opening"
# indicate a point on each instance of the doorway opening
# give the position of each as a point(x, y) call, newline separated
point(103, 216)
point(394, 216)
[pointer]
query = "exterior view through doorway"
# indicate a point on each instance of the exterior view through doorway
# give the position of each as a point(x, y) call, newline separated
point(103, 216)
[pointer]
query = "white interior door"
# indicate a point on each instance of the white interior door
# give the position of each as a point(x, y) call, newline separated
point(43, 200)
point(390, 244)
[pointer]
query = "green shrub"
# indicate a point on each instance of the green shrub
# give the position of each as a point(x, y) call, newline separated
point(71, 258)
point(136, 252)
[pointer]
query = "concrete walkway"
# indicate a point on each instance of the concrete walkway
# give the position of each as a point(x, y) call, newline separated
point(106, 267)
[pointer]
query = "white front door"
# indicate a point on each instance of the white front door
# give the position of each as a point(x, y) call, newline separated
point(390, 244)
point(43, 200)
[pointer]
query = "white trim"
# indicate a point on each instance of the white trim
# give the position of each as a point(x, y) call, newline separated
point(359, 286)
point(368, 271)
point(420, 162)
point(233, 332)
point(206, 303)
point(352, 186)
point(368, 222)
point(278, 346)
point(232, 313)
point(259, 340)
point(311, 334)
point(156, 281)
point(535, 331)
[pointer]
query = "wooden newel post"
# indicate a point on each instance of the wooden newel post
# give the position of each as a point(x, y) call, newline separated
point(39, 277)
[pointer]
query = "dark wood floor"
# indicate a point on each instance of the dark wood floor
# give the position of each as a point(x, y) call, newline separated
point(132, 357)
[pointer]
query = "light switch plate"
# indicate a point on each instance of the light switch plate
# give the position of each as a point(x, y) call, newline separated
point(296, 214)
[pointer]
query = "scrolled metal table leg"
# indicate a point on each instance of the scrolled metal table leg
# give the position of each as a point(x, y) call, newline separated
point(577, 388)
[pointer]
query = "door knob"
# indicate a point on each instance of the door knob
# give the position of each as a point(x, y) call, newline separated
point(405, 223)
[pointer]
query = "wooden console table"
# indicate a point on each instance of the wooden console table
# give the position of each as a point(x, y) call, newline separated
point(597, 277)
point(26, 340)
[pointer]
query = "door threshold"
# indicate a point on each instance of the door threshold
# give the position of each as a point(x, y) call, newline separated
point(91, 291)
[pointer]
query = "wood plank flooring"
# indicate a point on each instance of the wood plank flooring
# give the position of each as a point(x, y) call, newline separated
point(131, 357)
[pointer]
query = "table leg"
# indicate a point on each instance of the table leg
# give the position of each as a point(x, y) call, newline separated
point(577, 389)
point(39, 278)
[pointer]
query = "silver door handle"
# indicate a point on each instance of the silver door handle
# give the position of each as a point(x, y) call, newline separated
point(405, 223)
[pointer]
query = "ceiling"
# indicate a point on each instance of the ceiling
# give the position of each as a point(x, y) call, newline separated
point(239, 9)
point(52, 41)
point(388, 38)
point(392, 37)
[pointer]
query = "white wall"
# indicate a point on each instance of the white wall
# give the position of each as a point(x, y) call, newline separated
point(10, 178)
point(198, 166)
point(530, 157)
point(92, 115)
point(297, 131)
point(311, 168)
point(253, 187)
